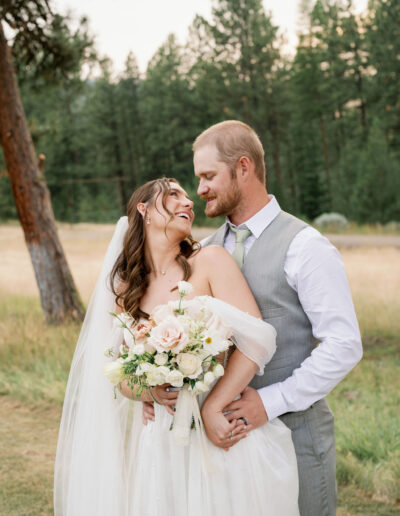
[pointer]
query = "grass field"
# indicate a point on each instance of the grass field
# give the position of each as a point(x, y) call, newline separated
point(34, 363)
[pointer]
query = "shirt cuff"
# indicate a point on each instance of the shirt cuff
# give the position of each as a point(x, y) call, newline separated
point(273, 401)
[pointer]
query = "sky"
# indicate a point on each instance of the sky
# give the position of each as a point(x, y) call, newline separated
point(142, 26)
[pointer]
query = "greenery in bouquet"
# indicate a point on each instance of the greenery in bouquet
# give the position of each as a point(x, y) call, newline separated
point(179, 344)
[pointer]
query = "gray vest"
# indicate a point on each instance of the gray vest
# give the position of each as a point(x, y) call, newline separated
point(279, 304)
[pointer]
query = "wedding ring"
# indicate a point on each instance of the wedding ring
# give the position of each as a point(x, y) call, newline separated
point(231, 437)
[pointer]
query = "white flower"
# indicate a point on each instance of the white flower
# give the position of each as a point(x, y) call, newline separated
point(123, 349)
point(114, 371)
point(218, 371)
point(161, 358)
point(144, 367)
point(169, 335)
point(216, 325)
point(185, 288)
point(209, 377)
point(161, 312)
point(122, 320)
point(138, 349)
point(157, 375)
point(189, 364)
point(200, 387)
point(196, 310)
point(128, 338)
point(175, 378)
point(149, 348)
point(109, 352)
point(213, 343)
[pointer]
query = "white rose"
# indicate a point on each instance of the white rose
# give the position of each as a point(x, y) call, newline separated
point(189, 364)
point(185, 288)
point(149, 348)
point(109, 352)
point(157, 375)
point(161, 358)
point(138, 349)
point(144, 367)
point(218, 371)
point(161, 312)
point(209, 377)
point(200, 387)
point(169, 335)
point(114, 372)
point(175, 378)
point(195, 309)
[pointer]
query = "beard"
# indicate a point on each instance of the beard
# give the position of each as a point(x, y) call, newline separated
point(225, 203)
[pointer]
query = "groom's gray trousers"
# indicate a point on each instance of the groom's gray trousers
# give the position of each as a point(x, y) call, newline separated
point(314, 442)
point(312, 429)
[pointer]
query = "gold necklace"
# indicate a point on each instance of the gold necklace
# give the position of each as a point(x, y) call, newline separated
point(163, 271)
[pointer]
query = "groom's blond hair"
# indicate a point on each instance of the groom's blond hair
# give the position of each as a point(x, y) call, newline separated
point(233, 140)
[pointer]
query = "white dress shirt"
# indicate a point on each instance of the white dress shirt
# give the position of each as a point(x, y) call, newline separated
point(315, 270)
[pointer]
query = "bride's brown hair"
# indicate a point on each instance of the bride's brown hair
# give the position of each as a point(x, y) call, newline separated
point(129, 277)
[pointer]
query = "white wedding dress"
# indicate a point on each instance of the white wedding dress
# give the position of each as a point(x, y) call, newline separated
point(109, 464)
point(257, 477)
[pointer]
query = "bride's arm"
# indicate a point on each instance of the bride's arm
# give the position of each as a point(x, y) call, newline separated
point(159, 393)
point(228, 284)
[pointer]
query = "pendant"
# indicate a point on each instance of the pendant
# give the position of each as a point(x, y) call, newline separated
point(163, 272)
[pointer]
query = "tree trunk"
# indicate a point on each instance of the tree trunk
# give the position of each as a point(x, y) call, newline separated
point(59, 296)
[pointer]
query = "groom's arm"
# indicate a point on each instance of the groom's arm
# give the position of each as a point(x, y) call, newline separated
point(315, 270)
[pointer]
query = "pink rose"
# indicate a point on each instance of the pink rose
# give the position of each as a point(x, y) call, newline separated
point(141, 329)
point(168, 335)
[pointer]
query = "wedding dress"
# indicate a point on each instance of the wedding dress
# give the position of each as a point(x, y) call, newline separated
point(109, 464)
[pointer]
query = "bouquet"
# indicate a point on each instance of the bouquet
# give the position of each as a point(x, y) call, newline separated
point(179, 345)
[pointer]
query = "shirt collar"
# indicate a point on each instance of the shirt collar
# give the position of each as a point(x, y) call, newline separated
point(263, 218)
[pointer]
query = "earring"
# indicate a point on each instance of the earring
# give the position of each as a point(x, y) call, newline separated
point(147, 220)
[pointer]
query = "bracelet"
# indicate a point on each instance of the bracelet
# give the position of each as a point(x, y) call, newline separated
point(153, 398)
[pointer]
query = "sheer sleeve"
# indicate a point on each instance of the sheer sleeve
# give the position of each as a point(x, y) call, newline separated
point(255, 338)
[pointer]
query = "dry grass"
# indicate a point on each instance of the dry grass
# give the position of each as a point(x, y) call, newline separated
point(374, 277)
point(28, 440)
point(374, 274)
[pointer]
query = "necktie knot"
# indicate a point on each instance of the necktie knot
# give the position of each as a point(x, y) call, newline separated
point(241, 234)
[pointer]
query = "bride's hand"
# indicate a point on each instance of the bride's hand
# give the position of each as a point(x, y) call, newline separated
point(222, 433)
point(165, 397)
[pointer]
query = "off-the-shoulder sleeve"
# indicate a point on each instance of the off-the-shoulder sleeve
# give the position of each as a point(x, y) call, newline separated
point(255, 338)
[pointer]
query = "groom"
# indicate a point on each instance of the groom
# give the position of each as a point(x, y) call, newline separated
point(300, 285)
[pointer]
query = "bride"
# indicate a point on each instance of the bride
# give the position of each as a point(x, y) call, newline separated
point(108, 463)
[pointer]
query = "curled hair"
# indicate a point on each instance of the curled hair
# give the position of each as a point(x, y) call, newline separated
point(129, 277)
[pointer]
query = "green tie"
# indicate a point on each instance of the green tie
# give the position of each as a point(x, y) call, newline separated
point(241, 236)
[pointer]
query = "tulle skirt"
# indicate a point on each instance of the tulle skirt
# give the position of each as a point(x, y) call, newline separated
point(256, 477)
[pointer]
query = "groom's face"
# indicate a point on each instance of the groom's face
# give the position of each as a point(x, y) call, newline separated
point(216, 185)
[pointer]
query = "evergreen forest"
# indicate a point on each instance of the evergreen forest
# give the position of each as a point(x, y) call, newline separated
point(328, 115)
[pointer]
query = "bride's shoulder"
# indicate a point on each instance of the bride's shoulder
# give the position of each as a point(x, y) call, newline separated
point(210, 254)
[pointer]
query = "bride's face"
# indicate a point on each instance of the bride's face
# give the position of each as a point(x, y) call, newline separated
point(179, 220)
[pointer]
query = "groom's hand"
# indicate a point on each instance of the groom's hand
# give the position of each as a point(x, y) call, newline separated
point(250, 407)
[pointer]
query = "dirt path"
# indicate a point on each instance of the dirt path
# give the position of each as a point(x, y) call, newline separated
point(349, 241)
